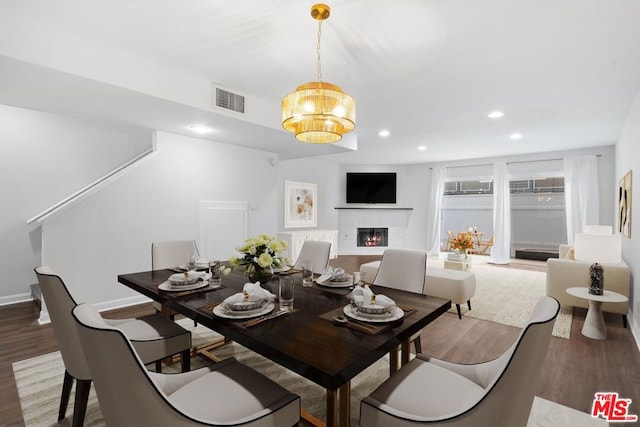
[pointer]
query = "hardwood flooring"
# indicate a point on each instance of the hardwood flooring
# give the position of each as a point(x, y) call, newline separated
point(575, 369)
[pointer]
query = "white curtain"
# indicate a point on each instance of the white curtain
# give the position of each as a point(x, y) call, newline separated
point(582, 199)
point(501, 250)
point(434, 208)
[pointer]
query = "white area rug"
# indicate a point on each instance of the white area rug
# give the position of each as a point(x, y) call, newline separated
point(39, 382)
point(507, 295)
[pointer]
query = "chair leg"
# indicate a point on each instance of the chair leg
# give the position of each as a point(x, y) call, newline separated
point(80, 405)
point(624, 320)
point(418, 343)
point(459, 312)
point(469, 304)
point(185, 360)
point(159, 366)
point(66, 393)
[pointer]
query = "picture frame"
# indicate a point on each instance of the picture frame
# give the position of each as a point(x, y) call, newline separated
point(624, 205)
point(300, 204)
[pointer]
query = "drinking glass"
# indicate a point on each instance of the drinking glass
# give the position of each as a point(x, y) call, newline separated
point(357, 277)
point(192, 259)
point(286, 292)
point(307, 272)
point(214, 268)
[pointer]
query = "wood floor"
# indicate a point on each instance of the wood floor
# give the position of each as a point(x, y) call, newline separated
point(575, 369)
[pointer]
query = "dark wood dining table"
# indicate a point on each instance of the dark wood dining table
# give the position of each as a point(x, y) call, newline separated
point(305, 341)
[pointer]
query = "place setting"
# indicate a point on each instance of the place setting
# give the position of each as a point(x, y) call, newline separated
point(335, 278)
point(253, 305)
point(368, 312)
point(198, 279)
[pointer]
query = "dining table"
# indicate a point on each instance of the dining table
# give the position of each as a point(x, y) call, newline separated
point(306, 340)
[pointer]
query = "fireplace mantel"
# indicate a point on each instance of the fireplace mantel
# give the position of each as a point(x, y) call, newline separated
point(379, 207)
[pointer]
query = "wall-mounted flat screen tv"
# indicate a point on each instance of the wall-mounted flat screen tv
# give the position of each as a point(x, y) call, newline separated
point(371, 187)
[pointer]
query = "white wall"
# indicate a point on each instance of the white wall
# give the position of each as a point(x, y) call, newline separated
point(628, 158)
point(111, 231)
point(45, 158)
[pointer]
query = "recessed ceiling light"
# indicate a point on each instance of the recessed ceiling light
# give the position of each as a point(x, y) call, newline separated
point(384, 132)
point(495, 114)
point(422, 147)
point(516, 136)
point(199, 129)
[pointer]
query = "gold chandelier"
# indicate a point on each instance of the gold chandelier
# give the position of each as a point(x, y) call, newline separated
point(319, 112)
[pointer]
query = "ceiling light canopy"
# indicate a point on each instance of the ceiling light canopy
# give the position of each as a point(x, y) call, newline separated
point(495, 114)
point(384, 132)
point(516, 136)
point(319, 112)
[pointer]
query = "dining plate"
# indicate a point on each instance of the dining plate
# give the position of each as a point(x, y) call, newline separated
point(352, 312)
point(221, 310)
point(333, 284)
point(281, 269)
point(178, 279)
point(166, 286)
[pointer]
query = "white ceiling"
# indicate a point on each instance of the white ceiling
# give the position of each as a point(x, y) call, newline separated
point(565, 73)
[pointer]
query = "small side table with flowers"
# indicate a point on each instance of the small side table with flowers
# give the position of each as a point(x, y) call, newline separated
point(461, 244)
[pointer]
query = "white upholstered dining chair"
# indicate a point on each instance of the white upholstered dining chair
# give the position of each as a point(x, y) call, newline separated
point(154, 337)
point(171, 254)
point(403, 269)
point(316, 251)
point(227, 393)
point(429, 391)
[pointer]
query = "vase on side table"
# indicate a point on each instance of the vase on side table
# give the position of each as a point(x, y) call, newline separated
point(459, 255)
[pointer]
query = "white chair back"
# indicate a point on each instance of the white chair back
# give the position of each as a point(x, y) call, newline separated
point(316, 251)
point(170, 254)
point(60, 303)
point(403, 269)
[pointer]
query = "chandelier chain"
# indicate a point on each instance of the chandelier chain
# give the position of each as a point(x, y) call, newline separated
point(318, 51)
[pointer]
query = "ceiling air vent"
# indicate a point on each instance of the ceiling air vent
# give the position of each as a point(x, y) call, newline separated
point(229, 100)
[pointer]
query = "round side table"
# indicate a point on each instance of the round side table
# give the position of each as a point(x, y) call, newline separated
point(594, 322)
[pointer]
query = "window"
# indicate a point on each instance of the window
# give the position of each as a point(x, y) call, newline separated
point(468, 187)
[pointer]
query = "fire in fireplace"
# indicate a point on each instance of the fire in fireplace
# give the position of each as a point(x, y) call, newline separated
point(373, 236)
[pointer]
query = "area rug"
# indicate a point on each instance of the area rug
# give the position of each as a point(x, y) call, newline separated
point(507, 295)
point(39, 383)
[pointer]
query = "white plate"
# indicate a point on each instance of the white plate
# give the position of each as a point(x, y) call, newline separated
point(332, 284)
point(220, 311)
point(166, 286)
point(281, 269)
point(192, 274)
point(395, 314)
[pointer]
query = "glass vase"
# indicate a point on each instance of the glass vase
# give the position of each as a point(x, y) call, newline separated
point(262, 275)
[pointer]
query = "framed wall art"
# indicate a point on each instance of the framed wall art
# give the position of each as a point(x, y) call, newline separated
point(300, 204)
point(624, 205)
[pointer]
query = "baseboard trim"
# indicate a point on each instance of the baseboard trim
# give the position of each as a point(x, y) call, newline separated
point(15, 299)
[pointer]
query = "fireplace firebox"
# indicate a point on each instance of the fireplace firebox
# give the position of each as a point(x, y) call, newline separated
point(373, 237)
